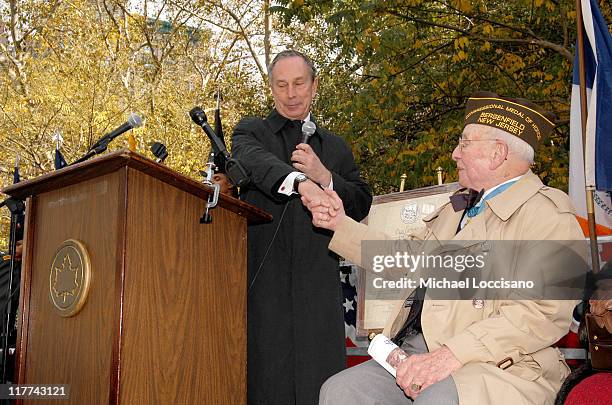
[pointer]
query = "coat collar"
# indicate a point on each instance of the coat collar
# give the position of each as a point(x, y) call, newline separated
point(502, 205)
point(278, 121)
point(506, 203)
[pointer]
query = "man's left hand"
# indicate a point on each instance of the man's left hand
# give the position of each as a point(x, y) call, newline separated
point(306, 161)
point(419, 371)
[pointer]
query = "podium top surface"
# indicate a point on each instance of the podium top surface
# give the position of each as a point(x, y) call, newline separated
point(125, 158)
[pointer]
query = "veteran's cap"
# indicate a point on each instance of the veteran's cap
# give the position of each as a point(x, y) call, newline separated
point(519, 117)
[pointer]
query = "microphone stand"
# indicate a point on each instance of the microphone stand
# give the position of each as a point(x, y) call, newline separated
point(99, 147)
point(17, 208)
point(233, 169)
point(214, 198)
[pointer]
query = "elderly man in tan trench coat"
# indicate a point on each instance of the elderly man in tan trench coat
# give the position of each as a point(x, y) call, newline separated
point(463, 351)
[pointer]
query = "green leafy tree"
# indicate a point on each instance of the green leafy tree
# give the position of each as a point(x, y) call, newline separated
point(402, 70)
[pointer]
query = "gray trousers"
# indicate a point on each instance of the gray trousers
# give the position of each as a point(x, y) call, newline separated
point(370, 384)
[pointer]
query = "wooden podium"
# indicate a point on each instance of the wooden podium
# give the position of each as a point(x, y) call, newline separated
point(125, 296)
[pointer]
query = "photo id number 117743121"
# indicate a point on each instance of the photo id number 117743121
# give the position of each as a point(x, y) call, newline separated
point(34, 391)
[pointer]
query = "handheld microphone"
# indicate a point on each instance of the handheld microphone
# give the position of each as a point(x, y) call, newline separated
point(134, 121)
point(234, 170)
point(160, 151)
point(308, 129)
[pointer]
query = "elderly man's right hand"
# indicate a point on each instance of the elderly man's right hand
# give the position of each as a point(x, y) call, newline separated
point(326, 212)
point(314, 196)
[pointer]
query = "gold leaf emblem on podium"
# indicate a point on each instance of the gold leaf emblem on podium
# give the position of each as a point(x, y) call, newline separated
point(69, 278)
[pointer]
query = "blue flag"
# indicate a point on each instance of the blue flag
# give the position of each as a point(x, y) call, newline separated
point(219, 159)
point(16, 178)
point(59, 160)
point(598, 67)
point(218, 125)
point(597, 167)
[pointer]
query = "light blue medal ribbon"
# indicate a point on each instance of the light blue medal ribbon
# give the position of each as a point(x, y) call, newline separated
point(478, 208)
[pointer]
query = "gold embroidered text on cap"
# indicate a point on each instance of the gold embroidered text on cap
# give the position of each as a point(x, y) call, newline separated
point(518, 117)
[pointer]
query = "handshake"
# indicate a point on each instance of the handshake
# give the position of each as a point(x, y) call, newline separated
point(325, 205)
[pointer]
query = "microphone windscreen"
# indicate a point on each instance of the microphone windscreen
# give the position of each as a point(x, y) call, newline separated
point(309, 128)
point(198, 115)
point(134, 120)
point(159, 150)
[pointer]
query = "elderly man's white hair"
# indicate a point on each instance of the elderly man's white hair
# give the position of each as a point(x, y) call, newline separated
point(516, 145)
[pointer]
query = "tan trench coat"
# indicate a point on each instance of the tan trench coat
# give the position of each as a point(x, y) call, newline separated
point(480, 338)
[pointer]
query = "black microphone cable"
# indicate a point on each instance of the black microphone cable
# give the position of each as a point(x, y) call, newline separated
point(308, 128)
point(280, 221)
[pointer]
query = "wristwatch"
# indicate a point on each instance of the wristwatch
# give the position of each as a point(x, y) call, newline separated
point(300, 178)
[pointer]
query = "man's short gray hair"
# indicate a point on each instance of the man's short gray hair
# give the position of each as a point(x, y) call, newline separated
point(515, 144)
point(288, 53)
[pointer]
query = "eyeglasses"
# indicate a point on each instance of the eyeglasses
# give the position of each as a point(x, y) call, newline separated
point(464, 143)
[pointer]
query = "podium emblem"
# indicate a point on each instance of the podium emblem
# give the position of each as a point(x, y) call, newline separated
point(69, 278)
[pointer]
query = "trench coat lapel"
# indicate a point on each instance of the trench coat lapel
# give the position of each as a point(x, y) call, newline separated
point(443, 230)
point(474, 229)
point(447, 230)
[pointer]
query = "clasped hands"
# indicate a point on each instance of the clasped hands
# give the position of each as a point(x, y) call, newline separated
point(326, 208)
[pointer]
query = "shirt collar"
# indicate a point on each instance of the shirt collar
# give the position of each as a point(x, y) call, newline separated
point(492, 189)
point(503, 205)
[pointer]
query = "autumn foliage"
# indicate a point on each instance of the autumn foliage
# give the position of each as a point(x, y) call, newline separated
point(394, 74)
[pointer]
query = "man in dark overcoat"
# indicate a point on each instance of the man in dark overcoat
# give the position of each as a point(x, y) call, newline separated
point(295, 313)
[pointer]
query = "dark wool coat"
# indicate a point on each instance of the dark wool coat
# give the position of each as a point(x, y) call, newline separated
point(295, 313)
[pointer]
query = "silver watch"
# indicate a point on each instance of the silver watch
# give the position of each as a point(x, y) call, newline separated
point(300, 178)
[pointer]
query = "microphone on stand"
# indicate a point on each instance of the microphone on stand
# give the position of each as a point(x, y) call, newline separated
point(159, 151)
point(234, 170)
point(199, 117)
point(308, 129)
point(134, 121)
